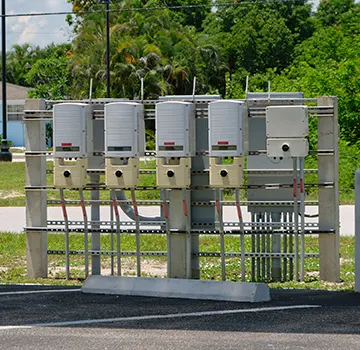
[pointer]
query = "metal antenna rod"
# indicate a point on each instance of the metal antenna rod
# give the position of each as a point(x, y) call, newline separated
point(108, 49)
point(5, 154)
point(107, 3)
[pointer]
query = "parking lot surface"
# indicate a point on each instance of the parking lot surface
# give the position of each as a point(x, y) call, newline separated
point(39, 317)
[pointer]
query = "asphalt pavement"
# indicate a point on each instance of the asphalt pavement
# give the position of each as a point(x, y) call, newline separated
point(58, 319)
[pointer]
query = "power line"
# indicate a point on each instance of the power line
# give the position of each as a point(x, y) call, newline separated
point(37, 33)
point(144, 9)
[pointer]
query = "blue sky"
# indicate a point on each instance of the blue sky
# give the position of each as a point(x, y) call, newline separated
point(39, 30)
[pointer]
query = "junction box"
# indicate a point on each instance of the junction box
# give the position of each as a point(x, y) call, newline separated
point(175, 143)
point(73, 140)
point(228, 137)
point(287, 131)
point(124, 143)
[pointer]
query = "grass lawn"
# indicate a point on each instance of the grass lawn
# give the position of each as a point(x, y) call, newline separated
point(13, 260)
point(17, 150)
point(12, 183)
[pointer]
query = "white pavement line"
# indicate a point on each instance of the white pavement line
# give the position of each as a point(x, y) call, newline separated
point(41, 291)
point(155, 317)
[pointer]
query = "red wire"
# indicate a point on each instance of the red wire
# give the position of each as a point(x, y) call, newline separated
point(185, 207)
point(115, 208)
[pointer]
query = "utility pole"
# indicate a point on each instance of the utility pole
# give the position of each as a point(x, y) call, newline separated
point(107, 3)
point(5, 154)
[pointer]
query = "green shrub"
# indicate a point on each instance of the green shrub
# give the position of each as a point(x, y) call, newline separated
point(9, 142)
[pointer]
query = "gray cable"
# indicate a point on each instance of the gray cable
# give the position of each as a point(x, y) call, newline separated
point(129, 210)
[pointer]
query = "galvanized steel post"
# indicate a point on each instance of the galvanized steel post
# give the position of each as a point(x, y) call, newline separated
point(36, 206)
point(357, 231)
point(328, 165)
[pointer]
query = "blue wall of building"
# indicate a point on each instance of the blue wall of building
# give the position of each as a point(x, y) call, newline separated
point(16, 132)
point(15, 128)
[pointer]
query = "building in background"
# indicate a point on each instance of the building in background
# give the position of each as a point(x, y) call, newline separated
point(16, 96)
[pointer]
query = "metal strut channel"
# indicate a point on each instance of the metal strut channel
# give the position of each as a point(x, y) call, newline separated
point(138, 261)
point(186, 210)
point(256, 255)
point(302, 219)
point(200, 254)
point(104, 252)
point(164, 195)
point(102, 187)
point(118, 232)
point(86, 231)
point(111, 234)
point(296, 217)
point(218, 195)
point(161, 223)
point(193, 231)
point(242, 234)
point(105, 223)
point(66, 230)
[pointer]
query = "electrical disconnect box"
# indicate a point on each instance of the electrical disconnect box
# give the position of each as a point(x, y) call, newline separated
point(73, 140)
point(175, 143)
point(228, 137)
point(124, 143)
point(287, 131)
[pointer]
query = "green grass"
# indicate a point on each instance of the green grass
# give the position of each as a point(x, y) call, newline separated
point(16, 150)
point(13, 260)
point(12, 183)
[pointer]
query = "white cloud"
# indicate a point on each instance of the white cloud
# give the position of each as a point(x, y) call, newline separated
point(36, 30)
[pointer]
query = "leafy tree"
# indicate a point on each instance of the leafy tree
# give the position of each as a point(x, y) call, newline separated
point(262, 40)
point(50, 78)
point(329, 12)
point(149, 45)
point(188, 16)
point(328, 64)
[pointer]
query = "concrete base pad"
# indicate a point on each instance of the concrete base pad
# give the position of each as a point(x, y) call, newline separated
point(177, 288)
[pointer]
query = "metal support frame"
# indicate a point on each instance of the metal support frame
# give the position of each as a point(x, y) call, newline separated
point(95, 234)
point(357, 231)
point(137, 228)
point(219, 210)
point(296, 218)
point(118, 231)
point(67, 234)
point(107, 9)
point(178, 265)
point(274, 228)
point(5, 154)
point(36, 206)
point(86, 232)
point(329, 245)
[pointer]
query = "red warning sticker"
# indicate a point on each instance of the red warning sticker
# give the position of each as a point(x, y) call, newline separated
point(169, 143)
point(66, 144)
point(223, 143)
